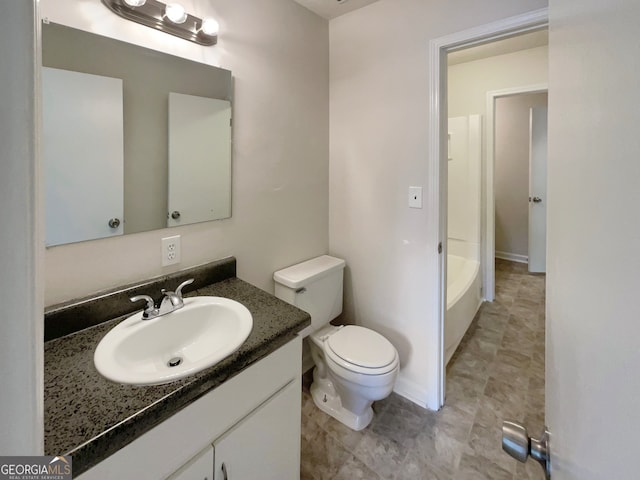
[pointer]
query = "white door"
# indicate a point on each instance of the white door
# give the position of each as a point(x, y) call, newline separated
point(538, 189)
point(593, 258)
point(83, 155)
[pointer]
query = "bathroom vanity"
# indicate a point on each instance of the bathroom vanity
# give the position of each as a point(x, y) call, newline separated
point(218, 423)
point(235, 423)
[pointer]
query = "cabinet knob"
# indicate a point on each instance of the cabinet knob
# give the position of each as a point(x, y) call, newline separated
point(114, 223)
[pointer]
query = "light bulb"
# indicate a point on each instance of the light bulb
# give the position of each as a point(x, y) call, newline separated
point(135, 3)
point(209, 27)
point(175, 13)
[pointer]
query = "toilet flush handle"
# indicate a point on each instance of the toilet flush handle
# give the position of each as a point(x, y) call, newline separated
point(301, 290)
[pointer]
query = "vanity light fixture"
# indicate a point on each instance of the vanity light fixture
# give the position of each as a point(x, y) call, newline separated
point(174, 12)
point(169, 18)
point(209, 27)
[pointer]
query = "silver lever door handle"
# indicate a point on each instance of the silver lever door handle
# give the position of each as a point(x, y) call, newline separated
point(517, 443)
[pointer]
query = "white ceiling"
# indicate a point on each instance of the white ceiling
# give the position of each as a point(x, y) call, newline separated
point(333, 8)
point(500, 47)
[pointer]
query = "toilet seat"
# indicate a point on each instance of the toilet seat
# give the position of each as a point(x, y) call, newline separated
point(361, 350)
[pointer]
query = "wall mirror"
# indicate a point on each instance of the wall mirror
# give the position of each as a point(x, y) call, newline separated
point(133, 139)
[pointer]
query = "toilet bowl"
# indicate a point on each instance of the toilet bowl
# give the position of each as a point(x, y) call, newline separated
point(354, 366)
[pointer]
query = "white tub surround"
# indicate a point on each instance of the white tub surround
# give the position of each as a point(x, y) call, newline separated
point(464, 186)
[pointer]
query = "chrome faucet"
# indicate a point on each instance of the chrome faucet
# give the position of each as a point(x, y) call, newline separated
point(171, 301)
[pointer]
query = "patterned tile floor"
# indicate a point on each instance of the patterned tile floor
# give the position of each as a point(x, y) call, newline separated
point(496, 374)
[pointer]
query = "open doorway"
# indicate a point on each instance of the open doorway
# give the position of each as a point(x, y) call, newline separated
point(439, 49)
point(487, 207)
point(496, 371)
point(515, 219)
point(519, 134)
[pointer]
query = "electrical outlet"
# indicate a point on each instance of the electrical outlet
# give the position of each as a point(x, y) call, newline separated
point(170, 250)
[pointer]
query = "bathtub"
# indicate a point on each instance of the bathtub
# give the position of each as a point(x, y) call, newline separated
point(463, 300)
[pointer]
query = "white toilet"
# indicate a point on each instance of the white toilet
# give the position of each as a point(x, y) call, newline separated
point(355, 366)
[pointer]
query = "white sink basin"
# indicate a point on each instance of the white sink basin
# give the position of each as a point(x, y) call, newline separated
point(196, 336)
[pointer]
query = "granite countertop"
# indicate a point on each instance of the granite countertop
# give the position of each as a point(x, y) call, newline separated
point(90, 418)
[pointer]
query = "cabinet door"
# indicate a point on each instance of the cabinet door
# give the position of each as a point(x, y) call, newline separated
point(199, 467)
point(266, 443)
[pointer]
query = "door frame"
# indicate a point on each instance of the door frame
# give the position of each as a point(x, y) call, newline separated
point(437, 166)
point(22, 258)
point(488, 243)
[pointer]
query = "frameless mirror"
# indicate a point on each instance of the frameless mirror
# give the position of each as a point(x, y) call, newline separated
point(133, 139)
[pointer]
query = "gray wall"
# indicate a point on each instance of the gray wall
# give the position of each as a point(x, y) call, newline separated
point(512, 171)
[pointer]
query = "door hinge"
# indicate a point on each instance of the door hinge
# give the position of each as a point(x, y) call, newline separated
point(440, 247)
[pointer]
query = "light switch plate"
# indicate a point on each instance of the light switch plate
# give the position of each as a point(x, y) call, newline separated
point(415, 197)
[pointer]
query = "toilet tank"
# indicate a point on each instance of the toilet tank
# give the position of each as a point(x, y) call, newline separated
point(314, 286)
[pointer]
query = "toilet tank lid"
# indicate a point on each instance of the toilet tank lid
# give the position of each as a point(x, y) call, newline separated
point(304, 273)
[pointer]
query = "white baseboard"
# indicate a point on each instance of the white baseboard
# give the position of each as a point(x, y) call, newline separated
point(513, 257)
point(409, 390)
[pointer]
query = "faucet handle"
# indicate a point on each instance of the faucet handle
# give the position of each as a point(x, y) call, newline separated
point(150, 308)
point(182, 285)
